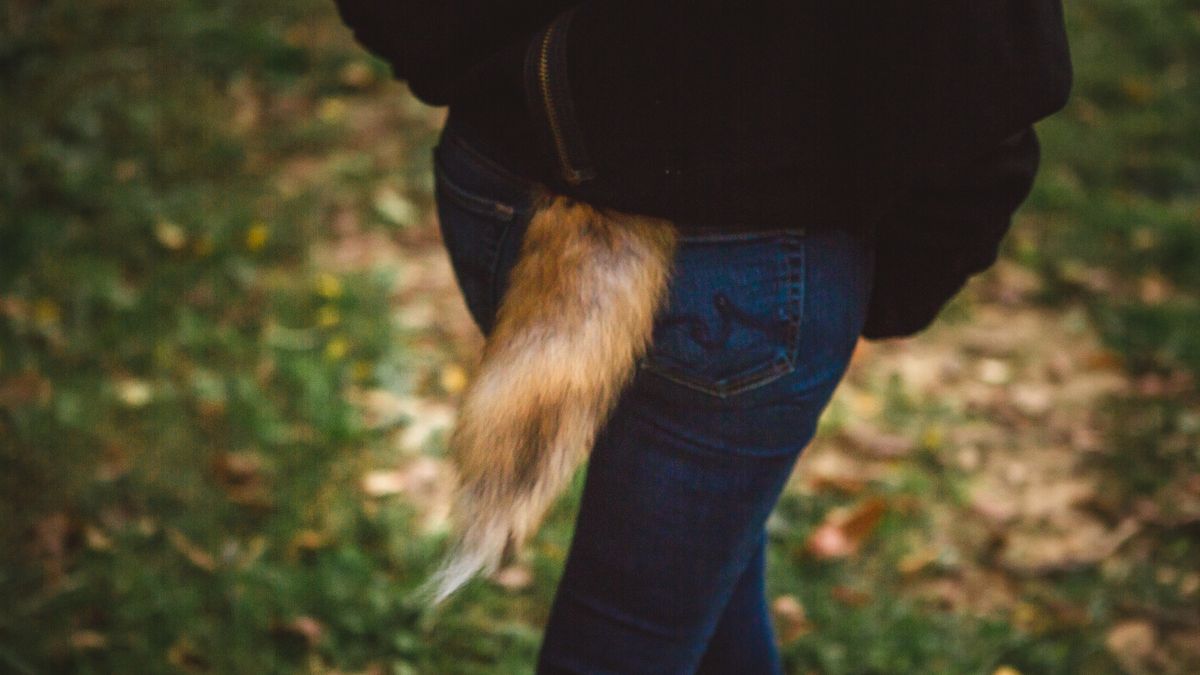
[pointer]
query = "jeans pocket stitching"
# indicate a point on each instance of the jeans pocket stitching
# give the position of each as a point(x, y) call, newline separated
point(792, 264)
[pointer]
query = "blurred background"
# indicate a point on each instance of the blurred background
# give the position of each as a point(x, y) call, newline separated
point(231, 345)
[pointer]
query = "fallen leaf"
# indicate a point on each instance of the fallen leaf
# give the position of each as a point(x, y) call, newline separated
point(85, 640)
point(915, 561)
point(305, 627)
point(394, 207)
point(1131, 643)
point(170, 235)
point(27, 387)
point(133, 393)
point(994, 371)
point(1086, 542)
point(309, 540)
point(184, 655)
point(50, 537)
point(96, 539)
point(875, 443)
point(384, 483)
point(243, 476)
point(844, 484)
point(190, 550)
point(791, 621)
point(514, 577)
point(357, 74)
point(851, 597)
point(842, 533)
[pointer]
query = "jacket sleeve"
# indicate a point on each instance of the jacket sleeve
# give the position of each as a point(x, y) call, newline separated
point(445, 47)
point(947, 229)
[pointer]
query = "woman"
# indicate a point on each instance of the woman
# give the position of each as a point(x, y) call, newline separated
point(812, 172)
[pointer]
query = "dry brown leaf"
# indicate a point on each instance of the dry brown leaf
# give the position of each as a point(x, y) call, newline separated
point(96, 538)
point(243, 476)
point(844, 484)
point(1086, 542)
point(305, 627)
point(309, 540)
point(190, 550)
point(84, 640)
point(791, 621)
point(113, 464)
point(28, 387)
point(384, 483)
point(51, 534)
point(915, 561)
point(1131, 643)
point(875, 443)
point(843, 532)
point(514, 577)
point(851, 597)
point(184, 655)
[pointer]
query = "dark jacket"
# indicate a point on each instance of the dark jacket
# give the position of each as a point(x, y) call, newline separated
point(872, 115)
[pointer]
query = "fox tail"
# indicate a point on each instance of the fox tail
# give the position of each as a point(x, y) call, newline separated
point(576, 317)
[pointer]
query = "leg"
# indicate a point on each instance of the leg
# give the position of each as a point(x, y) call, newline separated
point(744, 641)
point(669, 536)
point(667, 527)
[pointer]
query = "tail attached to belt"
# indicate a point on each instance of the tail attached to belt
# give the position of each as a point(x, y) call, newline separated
point(577, 315)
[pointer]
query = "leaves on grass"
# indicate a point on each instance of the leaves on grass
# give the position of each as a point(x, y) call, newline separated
point(844, 531)
point(191, 551)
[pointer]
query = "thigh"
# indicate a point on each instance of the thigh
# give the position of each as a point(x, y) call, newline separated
point(756, 335)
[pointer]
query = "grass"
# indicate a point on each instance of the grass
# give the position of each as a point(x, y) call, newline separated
point(180, 458)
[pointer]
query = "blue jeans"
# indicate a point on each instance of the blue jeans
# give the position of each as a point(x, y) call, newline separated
point(665, 572)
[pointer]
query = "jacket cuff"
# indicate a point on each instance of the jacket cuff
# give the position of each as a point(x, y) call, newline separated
point(947, 231)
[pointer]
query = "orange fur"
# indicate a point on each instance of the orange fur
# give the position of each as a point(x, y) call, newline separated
point(577, 315)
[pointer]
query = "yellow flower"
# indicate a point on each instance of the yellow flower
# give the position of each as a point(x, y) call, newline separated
point(328, 285)
point(336, 349)
point(257, 236)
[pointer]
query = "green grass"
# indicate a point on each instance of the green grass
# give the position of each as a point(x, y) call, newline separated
point(179, 462)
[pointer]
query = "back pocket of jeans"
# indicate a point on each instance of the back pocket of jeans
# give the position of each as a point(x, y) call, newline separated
point(733, 316)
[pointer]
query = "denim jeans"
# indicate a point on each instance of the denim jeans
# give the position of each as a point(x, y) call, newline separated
point(666, 569)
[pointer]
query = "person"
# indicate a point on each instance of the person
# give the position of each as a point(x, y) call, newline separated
point(833, 171)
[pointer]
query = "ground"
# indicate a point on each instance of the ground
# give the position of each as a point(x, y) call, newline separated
point(231, 345)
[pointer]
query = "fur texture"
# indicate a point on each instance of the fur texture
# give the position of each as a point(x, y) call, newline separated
point(577, 315)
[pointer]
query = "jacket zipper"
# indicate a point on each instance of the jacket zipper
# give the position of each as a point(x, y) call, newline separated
point(560, 143)
point(572, 159)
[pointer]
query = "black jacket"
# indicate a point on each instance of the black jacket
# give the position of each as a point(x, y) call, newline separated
point(910, 118)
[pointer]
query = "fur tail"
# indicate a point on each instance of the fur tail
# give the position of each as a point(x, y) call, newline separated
point(577, 315)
